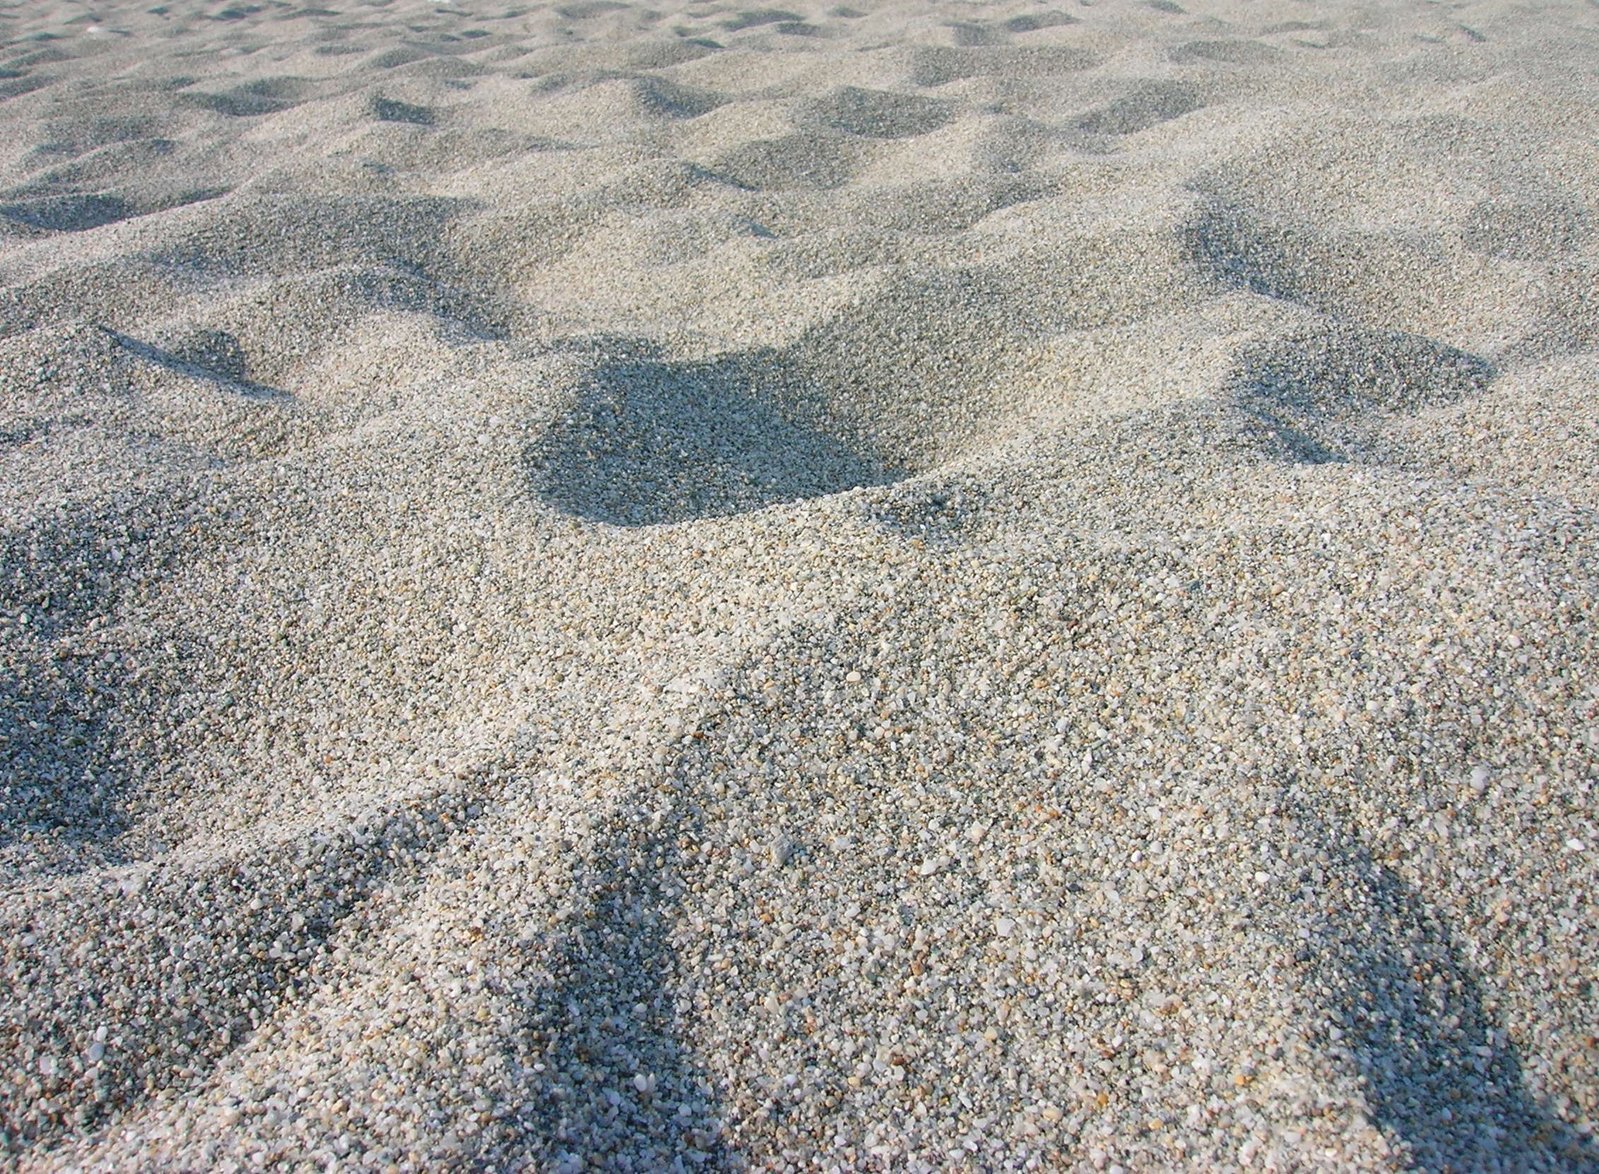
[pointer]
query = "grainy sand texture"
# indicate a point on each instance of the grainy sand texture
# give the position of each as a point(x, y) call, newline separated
point(878, 586)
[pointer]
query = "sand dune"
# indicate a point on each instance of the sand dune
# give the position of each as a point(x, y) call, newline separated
point(955, 586)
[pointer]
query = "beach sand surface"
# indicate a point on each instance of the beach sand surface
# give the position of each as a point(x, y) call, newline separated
point(869, 586)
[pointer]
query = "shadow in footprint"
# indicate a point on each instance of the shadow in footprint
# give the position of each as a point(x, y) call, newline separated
point(69, 213)
point(14, 84)
point(650, 441)
point(879, 114)
point(253, 99)
point(63, 774)
point(389, 110)
point(968, 34)
point(214, 355)
point(584, 9)
point(54, 211)
point(1440, 1076)
point(937, 65)
point(257, 234)
point(1032, 22)
point(756, 17)
point(1149, 105)
point(801, 160)
point(66, 702)
point(669, 99)
point(619, 1086)
point(1328, 394)
point(403, 55)
point(1227, 52)
point(1240, 251)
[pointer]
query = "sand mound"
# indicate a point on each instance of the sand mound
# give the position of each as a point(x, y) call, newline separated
point(889, 587)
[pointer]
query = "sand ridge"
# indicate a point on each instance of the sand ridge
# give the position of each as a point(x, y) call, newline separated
point(853, 586)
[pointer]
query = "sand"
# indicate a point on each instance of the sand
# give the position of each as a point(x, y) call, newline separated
point(889, 586)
